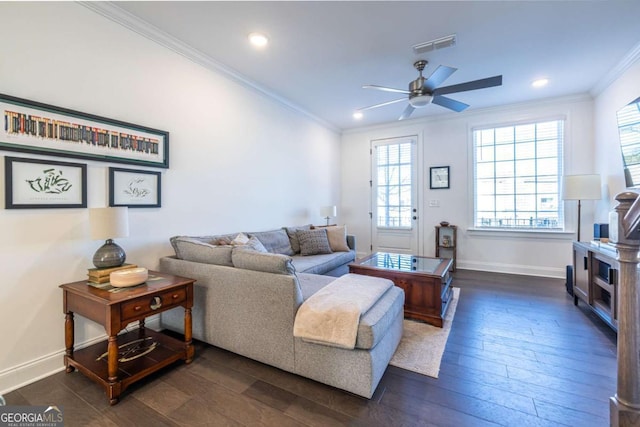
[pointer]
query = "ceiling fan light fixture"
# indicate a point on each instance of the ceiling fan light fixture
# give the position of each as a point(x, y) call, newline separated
point(420, 101)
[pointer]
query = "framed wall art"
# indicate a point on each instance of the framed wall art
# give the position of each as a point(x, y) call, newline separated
point(33, 184)
point(134, 188)
point(439, 177)
point(33, 127)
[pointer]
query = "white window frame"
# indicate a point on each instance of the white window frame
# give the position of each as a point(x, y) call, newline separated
point(522, 231)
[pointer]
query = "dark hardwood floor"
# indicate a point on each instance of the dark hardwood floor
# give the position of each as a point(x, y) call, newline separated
point(519, 354)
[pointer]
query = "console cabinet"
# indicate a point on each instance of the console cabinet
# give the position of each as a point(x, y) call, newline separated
point(595, 280)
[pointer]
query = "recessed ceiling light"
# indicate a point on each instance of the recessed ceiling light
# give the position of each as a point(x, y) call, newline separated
point(357, 115)
point(540, 82)
point(258, 39)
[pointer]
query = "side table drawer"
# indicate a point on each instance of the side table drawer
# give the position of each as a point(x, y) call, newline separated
point(145, 306)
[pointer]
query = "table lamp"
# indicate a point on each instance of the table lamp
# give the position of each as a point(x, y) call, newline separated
point(109, 223)
point(581, 187)
point(328, 212)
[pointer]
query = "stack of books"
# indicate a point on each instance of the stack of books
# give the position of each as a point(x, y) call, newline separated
point(101, 275)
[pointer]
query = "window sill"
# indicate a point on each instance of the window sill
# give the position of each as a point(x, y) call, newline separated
point(526, 234)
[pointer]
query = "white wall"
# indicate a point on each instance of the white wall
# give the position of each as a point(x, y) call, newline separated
point(446, 140)
point(238, 162)
point(609, 165)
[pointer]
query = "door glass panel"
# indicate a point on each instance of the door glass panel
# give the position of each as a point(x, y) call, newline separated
point(394, 171)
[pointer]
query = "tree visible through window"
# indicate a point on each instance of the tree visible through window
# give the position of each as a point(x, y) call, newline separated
point(393, 185)
point(517, 176)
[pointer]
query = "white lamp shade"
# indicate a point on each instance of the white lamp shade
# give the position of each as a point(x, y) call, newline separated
point(581, 187)
point(328, 211)
point(109, 223)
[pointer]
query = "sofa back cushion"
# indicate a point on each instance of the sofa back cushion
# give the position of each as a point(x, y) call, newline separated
point(249, 259)
point(275, 241)
point(293, 237)
point(196, 250)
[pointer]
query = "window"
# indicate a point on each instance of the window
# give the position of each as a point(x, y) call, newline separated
point(517, 173)
point(629, 128)
point(393, 168)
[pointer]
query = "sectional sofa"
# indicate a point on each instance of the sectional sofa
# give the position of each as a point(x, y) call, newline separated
point(247, 295)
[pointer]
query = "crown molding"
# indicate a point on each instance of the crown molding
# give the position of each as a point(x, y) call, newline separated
point(629, 59)
point(120, 16)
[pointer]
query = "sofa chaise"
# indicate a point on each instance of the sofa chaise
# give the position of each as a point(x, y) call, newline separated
point(247, 304)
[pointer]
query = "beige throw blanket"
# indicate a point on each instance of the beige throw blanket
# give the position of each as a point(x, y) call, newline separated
point(331, 316)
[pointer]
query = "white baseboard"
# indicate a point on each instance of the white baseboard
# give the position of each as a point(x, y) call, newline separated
point(525, 270)
point(36, 369)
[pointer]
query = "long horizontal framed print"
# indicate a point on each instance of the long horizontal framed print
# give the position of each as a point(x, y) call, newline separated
point(134, 188)
point(33, 127)
point(33, 184)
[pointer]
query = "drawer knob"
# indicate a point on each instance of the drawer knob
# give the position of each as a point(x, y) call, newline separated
point(156, 303)
point(175, 296)
point(137, 308)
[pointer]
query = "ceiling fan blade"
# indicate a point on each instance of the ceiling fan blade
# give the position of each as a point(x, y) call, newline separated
point(473, 85)
point(449, 103)
point(407, 112)
point(386, 89)
point(381, 104)
point(441, 74)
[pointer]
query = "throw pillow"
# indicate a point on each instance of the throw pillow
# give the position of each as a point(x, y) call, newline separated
point(223, 241)
point(240, 239)
point(337, 236)
point(248, 259)
point(313, 242)
point(293, 237)
point(275, 241)
point(192, 249)
point(255, 244)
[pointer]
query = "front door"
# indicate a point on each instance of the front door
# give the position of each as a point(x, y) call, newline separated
point(394, 214)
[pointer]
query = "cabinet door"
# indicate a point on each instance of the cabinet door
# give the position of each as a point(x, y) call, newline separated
point(581, 274)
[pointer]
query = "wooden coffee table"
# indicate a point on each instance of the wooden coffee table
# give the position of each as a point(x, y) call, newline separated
point(123, 359)
point(426, 282)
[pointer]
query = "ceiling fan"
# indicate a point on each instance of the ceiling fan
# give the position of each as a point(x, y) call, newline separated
point(423, 92)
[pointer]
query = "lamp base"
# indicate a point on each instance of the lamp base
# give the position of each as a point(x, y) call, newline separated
point(109, 255)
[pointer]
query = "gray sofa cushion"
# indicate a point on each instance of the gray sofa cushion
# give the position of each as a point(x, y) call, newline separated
point(293, 238)
point(313, 242)
point(322, 263)
point(262, 261)
point(275, 241)
point(194, 249)
point(375, 323)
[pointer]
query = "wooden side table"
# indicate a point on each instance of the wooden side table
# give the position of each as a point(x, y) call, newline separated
point(142, 351)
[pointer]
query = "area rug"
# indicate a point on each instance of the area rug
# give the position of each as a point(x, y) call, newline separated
point(422, 345)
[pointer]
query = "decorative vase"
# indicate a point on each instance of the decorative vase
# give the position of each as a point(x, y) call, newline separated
point(109, 255)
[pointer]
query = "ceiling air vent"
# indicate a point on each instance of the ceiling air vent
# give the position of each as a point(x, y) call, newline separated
point(440, 43)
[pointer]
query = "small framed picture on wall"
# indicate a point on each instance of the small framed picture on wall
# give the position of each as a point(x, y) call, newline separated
point(439, 177)
point(134, 188)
